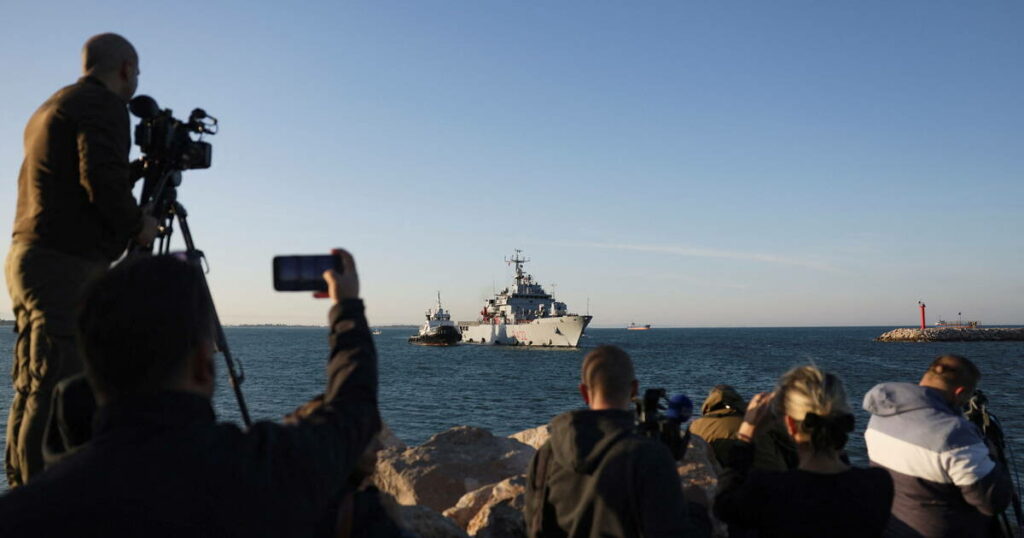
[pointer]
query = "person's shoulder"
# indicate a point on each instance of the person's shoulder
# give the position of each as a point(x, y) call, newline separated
point(89, 98)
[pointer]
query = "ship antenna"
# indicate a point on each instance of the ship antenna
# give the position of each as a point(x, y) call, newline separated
point(518, 261)
point(588, 306)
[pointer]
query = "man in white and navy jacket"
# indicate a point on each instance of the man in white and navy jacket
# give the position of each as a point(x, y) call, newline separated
point(946, 482)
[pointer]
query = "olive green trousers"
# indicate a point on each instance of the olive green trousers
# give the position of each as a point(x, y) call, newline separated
point(46, 287)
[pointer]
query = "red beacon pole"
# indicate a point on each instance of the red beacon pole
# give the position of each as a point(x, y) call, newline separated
point(922, 314)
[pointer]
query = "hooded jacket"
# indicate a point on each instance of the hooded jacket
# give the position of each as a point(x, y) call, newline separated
point(596, 477)
point(946, 484)
point(721, 416)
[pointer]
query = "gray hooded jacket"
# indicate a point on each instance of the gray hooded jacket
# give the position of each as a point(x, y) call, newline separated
point(946, 484)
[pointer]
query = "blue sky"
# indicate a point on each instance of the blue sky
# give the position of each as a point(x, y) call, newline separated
point(677, 163)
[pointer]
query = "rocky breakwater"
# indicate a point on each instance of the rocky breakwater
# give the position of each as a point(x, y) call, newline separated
point(953, 334)
point(467, 482)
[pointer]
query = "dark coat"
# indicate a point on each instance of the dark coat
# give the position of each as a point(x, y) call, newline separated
point(161, 466)
point(801, 504)
point(74, 189)
point(596, 477)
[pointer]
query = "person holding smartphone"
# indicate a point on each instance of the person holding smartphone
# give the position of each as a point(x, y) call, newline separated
point(158, 463)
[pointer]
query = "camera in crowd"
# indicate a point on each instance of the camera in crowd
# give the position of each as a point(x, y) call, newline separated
point(167, 141)
point(665, 427)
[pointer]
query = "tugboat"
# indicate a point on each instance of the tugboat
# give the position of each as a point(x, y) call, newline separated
point(523, 314)
point(438, 329)
point(635, 327)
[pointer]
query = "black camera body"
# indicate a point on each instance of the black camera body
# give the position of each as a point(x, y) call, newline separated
point(664, 427)
point(167, 141)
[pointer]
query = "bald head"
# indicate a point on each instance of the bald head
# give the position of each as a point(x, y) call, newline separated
point(607, 378)
point(112, 59)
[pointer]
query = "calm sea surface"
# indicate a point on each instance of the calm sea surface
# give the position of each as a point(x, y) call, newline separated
point(425, 390)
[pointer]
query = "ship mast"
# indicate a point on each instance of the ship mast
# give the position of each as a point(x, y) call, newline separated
point(518, 261)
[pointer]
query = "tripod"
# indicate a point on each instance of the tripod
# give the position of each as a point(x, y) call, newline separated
point(162, 194)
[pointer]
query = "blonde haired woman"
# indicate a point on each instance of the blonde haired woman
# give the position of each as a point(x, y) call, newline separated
point(823, 496)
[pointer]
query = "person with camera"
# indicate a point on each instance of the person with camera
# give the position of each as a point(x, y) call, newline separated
point(75, 214)
point(158, 464)
point(823, 496)
point(597, 476)
point(947, 483)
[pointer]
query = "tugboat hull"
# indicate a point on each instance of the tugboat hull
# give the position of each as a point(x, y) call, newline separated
point(441, 336)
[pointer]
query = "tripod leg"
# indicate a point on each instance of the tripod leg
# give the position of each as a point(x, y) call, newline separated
point(196, 257)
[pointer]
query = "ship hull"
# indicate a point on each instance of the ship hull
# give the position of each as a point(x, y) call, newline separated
point(442, 336)
point(560, 331)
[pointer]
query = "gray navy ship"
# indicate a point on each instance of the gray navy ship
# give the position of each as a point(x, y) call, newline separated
point(523, 314)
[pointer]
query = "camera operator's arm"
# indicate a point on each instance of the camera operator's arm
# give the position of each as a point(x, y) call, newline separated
point(103, 143)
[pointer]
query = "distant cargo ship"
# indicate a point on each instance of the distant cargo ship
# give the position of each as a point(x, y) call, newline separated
point(523, 314)
point(635, 327)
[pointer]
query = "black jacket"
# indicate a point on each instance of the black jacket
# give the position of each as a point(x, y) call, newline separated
point(161, 465)
point(596, 477)
point(74, 188)
point(795, 503)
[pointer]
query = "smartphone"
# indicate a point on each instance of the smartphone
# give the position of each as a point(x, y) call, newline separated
point(303, 273)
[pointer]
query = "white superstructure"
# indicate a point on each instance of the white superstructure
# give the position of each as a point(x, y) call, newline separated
point(526, 315)
point(436, 318)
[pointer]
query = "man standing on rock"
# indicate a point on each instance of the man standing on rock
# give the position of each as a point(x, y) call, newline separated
point(75, 214)
point(596, 476)
point(946, 483)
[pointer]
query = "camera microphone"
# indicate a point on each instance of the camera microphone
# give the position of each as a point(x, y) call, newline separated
point(144, 107)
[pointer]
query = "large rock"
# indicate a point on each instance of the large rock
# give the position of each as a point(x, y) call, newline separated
point(534, 437)
point(427, 523)
point(468, 511)
point(502, 520)
point(451, 463)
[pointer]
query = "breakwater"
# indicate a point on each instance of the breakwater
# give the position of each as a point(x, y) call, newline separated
point(953, 334)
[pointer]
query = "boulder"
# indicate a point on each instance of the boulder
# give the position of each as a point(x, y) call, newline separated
point(427, 523)
point(440, 471)
point(502, 520)
point(534, 437)
point(467, 512)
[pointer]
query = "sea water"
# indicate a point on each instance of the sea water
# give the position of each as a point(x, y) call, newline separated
point(425, 390)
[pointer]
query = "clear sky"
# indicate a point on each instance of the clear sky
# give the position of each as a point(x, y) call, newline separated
point(677, 163)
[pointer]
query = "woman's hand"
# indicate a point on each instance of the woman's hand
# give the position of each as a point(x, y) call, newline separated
point(759, 412)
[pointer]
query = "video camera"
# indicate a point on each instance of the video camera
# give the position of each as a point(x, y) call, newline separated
point(167, 141)
point(664, 427)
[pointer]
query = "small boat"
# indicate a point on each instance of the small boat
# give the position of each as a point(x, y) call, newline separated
point(376, 331)
point(635, 327)
point(438, 329)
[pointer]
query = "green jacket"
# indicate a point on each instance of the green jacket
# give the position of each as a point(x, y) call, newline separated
point(74, 188)
point(721, 416)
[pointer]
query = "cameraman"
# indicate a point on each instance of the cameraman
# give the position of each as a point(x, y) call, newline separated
point(75, 214)
point(946, 481)
point(596, 476)
point(158, 463)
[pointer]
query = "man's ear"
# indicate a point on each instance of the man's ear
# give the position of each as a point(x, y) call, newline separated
point(585, 393)
point(201, 370)
point(634, 389)
point(127, 70)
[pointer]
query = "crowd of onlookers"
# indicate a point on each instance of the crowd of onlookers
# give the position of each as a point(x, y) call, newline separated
point(785, 470)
